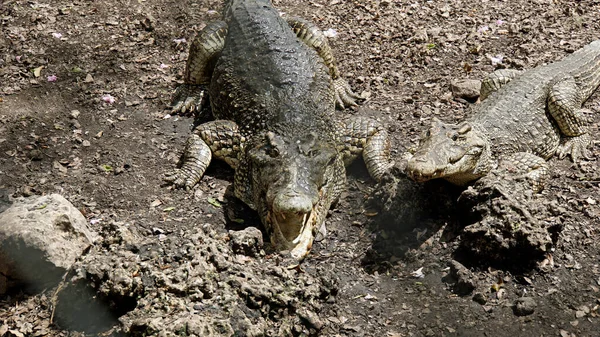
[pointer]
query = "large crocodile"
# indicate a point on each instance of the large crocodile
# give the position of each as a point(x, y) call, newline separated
point(273, 89)
point(518, 124)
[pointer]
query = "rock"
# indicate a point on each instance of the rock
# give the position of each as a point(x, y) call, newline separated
point(247, 242)
point(465, 88)
point(505, 222)
point(420, 36)
point(40, 238)
point(480, 298)
point(524, 306)
point(4, 200)
point(463, 279)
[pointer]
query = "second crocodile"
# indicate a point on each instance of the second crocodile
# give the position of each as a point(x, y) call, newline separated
point(518, 124)
point(273, 88)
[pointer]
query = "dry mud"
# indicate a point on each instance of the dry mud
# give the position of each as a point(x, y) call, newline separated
point(166, 263)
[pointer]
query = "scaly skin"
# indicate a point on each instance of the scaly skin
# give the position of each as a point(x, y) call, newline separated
point(273, 88)
point(511, 124)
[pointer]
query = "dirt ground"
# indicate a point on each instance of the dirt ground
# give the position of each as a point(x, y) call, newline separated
point(62, 62)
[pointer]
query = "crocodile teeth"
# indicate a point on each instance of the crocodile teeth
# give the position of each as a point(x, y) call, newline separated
point(304, 222)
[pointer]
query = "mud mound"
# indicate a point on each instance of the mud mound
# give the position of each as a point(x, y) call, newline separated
point(192, 285)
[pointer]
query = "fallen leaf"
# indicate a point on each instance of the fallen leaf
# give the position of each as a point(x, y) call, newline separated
point(213, 202)
point(38, 71)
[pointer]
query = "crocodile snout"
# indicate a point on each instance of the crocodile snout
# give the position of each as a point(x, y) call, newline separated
point(421, 169)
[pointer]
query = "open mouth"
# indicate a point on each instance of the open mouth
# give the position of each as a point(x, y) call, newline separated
point(293, 231)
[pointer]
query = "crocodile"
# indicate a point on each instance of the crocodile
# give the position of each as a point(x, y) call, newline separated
point(524, 118)
point(273, 88)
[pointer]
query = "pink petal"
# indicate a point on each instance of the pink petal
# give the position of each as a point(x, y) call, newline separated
point(108, 99)
point(483, 29)
point(52, 78)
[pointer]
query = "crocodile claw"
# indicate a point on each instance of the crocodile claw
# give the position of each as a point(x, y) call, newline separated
point(577, 147)
point(344, 96)
point(187, 99)
point(181, 178)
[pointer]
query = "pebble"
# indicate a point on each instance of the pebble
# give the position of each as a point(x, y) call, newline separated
point(463, 279)
point(465, 88)
point(480, 298)
point(524, 306)
point(247, 242)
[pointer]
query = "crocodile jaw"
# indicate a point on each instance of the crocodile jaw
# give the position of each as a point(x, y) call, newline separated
point(293, 232)
point(459, 173)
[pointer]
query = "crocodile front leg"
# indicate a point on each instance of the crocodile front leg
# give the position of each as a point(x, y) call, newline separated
point(495, 80)
point(204, 52)
point(310, 34)
point(360, 135)
point(564, 104)
point(527, 165)
point(220, 138)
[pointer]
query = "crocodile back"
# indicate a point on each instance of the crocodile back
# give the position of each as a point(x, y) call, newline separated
point(584, 66)
point(516, 118)
point(266, 78)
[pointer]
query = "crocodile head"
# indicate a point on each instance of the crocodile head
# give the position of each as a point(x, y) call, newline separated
point(294, 182)
point(457, 153)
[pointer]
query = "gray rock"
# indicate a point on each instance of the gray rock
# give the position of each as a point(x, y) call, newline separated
point(464, 280)
point(480, 298)
point(524, 306)
point(40, 238)
point(5, 201)
point(247, 242)
point(465, 88)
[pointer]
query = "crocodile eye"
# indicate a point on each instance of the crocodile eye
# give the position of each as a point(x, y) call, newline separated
point(313, 153)
point(454, 136)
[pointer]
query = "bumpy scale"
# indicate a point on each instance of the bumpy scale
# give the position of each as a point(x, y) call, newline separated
point(511, 125)
point(273, 87)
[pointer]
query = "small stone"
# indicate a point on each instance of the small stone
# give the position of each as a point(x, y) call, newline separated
point(35, 155)
point(480, 298)
point(466, 88)
point(311, 319)
point(247, 242)
point(75, 114)
point(463, 279)
point(420, 36)
point(524, 306)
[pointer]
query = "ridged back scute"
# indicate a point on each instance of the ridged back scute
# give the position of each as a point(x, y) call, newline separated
point(266, 78)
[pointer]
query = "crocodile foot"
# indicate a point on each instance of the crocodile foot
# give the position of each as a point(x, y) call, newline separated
point(344, 96)
point(577, 147)
point(181, 178)
point(188, 98)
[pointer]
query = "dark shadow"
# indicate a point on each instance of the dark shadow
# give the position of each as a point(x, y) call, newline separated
point(5, 201)
point(31, 271)
point(503, 228)
point(408, 213)
point(82, 308)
